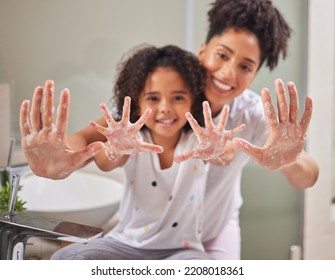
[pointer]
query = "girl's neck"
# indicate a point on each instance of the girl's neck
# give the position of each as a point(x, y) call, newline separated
point(169, 145)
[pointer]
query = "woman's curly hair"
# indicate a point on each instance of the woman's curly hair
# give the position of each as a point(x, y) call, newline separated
point(135, 67)
point(258, 16)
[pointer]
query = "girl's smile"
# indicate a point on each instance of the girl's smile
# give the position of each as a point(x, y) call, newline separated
point(166, 94)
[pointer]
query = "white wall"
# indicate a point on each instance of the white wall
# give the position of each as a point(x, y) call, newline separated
point(319, 226)
point(78, 44)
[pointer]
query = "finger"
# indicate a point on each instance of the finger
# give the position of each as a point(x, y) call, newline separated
point(234, 131)
point(246, 147)
point(151, 148)
point(223, 119)
point(269, 111)
point(126, 111)
point(24, 118)
point(307, 116)
point(35, 113)
point(87, 153)
point(103, 130)
point(141, 121)
point(294, 102)
point(63, 111)
point(183, 157)
point(109, 119)
point(282, 105)
point(48, 105)
point(193, 123)
point(207, 115)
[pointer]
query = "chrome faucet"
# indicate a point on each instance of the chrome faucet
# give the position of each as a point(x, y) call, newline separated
point(17, 228)
point(7, 172)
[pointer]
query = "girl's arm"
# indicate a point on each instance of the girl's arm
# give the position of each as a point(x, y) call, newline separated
point(214, 145)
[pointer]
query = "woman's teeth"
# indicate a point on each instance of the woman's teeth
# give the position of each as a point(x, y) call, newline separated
point(222, 86)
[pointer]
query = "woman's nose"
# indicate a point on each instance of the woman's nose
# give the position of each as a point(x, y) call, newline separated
point(227, 70)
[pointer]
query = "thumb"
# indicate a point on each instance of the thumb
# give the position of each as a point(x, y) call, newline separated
point(183, 157)
point(88, 152)
point(246, 147)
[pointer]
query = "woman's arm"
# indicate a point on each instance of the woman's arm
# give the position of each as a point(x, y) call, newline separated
point(303, 173)
point(44, 142)
point(284, 148)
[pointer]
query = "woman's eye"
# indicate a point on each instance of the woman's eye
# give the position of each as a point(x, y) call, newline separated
point(222, 55)
point(245, 68)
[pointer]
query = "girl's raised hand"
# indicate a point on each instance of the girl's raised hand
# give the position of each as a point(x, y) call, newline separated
point(287, 136)
point(44, 143)
point(214, 141)
point(122, 136)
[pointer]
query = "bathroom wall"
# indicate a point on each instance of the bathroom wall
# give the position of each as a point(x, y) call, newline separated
point(78, 44)
point(4, 122)
point(319, 215)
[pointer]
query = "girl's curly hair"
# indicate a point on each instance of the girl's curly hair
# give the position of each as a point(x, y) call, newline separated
point(259, 17)
point(134, 69)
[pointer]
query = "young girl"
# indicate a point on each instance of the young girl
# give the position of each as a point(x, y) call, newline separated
point(161, 211)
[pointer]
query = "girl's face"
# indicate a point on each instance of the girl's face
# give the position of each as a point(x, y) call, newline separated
point(231, 60)
point(166, 94)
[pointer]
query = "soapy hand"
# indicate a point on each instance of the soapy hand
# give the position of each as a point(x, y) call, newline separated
point(287, 136)
point(214, 145)
point(122, 136)
point(44, 142)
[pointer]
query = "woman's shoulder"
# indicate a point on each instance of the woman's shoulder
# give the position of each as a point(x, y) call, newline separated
point(248, 104)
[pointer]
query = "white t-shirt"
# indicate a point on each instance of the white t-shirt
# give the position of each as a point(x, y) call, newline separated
point(163, 209)
point(223, 191)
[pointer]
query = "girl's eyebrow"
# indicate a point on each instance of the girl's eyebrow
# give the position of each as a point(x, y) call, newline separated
point(180, 92)
point(150, 92)
point(173, 92)
point(231, 51)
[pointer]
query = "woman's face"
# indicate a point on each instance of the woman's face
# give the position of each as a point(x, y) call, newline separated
point(231, 60)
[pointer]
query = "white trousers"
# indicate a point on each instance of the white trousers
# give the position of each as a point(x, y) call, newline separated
point(226, 246)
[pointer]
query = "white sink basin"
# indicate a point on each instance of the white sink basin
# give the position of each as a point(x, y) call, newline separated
point(83, 198)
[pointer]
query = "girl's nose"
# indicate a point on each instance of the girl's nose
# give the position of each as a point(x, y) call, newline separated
point(164, 106)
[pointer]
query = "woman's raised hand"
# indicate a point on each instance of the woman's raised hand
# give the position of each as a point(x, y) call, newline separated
point(287, 135)
point(122, 136)
point(44, 143)
point(214, 144)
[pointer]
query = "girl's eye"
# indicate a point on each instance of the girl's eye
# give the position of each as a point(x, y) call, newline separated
point(179, 98)
point(152, 99)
